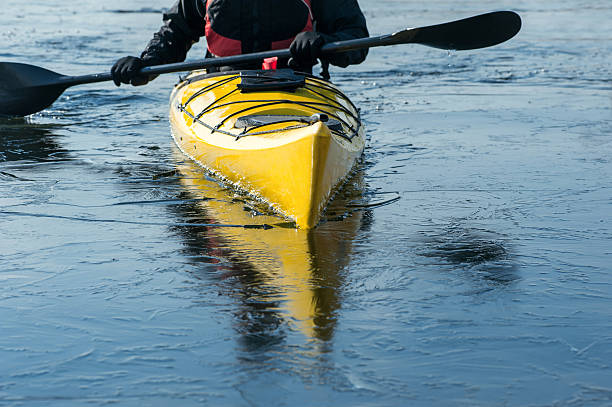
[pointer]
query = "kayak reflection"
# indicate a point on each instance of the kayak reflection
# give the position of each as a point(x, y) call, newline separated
point(287, 277)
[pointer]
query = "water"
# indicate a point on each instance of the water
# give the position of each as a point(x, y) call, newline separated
point(487, 283)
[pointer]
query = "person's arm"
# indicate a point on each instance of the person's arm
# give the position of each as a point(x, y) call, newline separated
point(338, 20)
point(183, 26)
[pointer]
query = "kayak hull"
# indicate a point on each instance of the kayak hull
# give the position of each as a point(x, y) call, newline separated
point(293, 166)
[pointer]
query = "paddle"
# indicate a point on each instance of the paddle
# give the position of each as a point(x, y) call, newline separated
point(27, 89)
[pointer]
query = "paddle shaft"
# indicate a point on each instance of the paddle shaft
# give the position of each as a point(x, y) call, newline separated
point(470, 33)
point(327, 49)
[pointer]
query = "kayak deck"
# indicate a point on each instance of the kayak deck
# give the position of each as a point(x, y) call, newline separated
point(284, 138)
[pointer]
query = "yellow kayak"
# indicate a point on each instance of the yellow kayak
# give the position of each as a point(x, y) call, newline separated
point(287, 139)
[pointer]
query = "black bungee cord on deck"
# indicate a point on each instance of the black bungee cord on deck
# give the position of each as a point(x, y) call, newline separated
point(279, 82)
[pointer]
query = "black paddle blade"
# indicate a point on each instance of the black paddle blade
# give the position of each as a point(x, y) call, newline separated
point(27, 89)
point(480, 31)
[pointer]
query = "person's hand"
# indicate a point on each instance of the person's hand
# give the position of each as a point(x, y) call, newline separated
point(126, 70)
point(305, 49)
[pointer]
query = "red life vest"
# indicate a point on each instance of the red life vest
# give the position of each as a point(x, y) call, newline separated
point(236, 27)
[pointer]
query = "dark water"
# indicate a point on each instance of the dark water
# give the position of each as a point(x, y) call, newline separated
point(487, 283)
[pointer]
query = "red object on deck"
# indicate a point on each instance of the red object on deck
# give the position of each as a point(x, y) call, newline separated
point(269, 63)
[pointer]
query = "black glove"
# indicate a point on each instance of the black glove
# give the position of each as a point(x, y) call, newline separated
point(126, 70)
point(305, 49)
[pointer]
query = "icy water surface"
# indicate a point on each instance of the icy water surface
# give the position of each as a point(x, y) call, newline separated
point(124, 278)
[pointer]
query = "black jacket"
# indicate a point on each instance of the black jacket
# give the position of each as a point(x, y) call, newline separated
point(335, 20)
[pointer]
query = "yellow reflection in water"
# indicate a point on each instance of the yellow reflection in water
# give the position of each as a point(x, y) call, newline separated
point(305, 266)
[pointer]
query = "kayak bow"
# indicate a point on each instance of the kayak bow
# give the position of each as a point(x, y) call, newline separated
point(287, 139)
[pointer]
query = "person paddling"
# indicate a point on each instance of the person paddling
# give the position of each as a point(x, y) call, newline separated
point(233, 27)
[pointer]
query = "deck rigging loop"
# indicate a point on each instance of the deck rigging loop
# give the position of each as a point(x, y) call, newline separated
point(280, 81)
